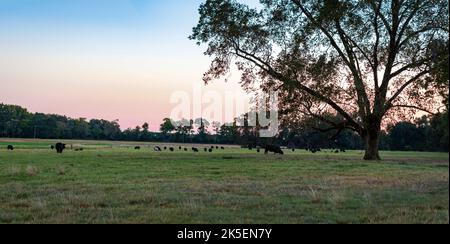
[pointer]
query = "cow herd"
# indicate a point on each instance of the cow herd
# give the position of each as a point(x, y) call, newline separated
point(60, 147)
point(267, 149)
point(180, 148)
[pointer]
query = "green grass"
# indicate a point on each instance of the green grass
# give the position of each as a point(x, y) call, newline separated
point(112, 183)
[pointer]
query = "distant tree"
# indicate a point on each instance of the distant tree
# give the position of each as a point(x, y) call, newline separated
point(202, 129)
point(80, 128)
point(364, 60)
point(229, 133)
point(127, 135)
point(145, 126)
point(14, 121)
point(167, 127)
point(438, 133)
point(245, 131)
point(145, 134)
point(406, 136)
point(184, 129)
point(136, 132)
point(44, 125)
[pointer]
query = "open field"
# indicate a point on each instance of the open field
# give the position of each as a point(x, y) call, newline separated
point(109, 182)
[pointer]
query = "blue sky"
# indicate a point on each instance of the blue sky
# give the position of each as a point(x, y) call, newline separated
point(51, 16)
point(111, 59)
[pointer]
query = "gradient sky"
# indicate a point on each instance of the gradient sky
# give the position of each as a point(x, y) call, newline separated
point(110, 59)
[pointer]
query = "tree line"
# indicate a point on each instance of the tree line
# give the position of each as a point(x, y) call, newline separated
point(429, 133)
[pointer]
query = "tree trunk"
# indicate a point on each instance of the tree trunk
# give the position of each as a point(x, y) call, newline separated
point(372, 140)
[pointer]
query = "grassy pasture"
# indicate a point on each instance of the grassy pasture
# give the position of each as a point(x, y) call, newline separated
point(109, 182)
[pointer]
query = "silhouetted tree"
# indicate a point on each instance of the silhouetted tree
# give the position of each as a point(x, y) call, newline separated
point(363, 60)
point(202, 129)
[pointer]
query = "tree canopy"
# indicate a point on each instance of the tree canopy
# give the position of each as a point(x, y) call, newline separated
point(366, 61)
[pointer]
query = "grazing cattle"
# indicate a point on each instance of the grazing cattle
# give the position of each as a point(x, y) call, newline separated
point(293, 149)
point(172, 149)
point(314, 149)
point(212, 147)
point(10, 147)
point(195, 149)
point(137, 148)
point(274, 149)
point(79, 149)
point(210, 150)
point(185, 149)
point(165, 148)
point(52, 147)
point(206, 149)
point(258, 150)
point(222, 148)
point(180, 148)
point(157, 149)
point(250, 148)
point(217, 147)
point(343, 150)
point(60, 147)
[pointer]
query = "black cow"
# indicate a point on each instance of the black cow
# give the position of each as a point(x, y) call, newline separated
point(157, 149)
point(172, 149)
point(274, 149)
point(222, 148)
point(195, 149)
point(206, 149)
point(10, 147)
point(60, 147)
point(258, 150)
point(217, 147)
point(52, 147)
point(137, 148)
point(185, 149)
point(210, 150)
point(180, 148)
point(165, 148)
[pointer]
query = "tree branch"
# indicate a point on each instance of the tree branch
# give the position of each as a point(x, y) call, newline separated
point(403, 87)
point(324, 31)
point(410, 66)
point(363, 101)
point(413, 107)
point(268, 69)
point(382, 17)
point(408, 20)
point(375, 49)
